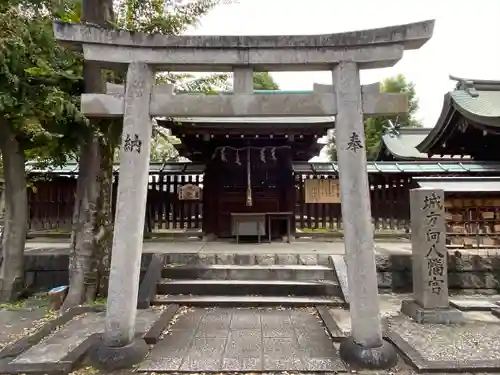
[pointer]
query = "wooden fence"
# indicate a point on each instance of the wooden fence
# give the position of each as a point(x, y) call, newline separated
point(390, 204)
point(51, 204)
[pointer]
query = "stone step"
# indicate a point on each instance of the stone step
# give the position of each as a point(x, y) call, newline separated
point(249, 287)
point(245, 301)
point(246, 259)
point(249, 272)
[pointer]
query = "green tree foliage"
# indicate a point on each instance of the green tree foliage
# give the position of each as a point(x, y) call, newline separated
point(38, 106)
point(264, 81)
point(376, 126)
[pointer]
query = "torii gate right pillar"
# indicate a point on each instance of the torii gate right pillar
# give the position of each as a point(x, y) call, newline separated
point(365, 347)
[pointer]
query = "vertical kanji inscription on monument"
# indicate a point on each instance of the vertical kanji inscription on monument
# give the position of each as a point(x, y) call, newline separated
point(430, 279)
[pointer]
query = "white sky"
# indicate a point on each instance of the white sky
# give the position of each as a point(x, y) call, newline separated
point(466, 41)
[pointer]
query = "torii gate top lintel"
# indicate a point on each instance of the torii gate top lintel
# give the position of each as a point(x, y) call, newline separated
point(373, 48)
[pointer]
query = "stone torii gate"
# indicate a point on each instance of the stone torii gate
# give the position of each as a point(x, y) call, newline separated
point(344, 54)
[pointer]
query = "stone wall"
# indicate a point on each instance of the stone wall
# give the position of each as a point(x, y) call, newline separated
point(466, 272)
point(470, 273)
point(46, 271)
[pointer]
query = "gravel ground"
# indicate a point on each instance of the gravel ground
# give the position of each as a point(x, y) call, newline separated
point(22, 319)
point(435, 342)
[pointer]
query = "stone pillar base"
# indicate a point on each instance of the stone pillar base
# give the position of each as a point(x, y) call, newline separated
point(382, 357)
point(432, 316)
point(109, 358)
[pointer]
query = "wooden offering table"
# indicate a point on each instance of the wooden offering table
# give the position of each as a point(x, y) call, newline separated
point(248, 224)
point(254, 224)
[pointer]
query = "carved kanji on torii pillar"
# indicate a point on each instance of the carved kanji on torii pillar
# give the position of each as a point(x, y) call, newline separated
point(347, 100)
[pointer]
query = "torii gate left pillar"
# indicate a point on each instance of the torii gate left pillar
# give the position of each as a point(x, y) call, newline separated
point(119, 347)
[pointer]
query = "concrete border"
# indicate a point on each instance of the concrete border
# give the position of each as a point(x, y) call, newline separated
point(153, 335)
point(148, 286)
point(74, 357)
point(416, 360)
point(336, 334)
point(65, 366)
point(20, 346)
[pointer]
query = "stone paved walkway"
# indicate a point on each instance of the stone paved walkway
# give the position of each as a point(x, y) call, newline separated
point(216, 339)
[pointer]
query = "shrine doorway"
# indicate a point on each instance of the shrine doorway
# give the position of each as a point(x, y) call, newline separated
point(249, 179)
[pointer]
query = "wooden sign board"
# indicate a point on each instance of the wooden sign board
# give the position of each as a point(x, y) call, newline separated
point(322, 191)
point(189, 192)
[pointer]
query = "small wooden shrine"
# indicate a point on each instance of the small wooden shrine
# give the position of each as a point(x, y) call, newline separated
point(248, 164)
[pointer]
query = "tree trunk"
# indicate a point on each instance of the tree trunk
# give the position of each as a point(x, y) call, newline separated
point(85, 257)
point(104, 220)
point(16, 217)
point(81, 270)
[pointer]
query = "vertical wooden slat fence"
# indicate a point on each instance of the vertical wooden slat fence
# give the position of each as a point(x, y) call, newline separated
point(390, 204)
point(51, 203)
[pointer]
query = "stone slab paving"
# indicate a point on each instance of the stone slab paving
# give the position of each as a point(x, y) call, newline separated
point(56, 347)
point(238, 339)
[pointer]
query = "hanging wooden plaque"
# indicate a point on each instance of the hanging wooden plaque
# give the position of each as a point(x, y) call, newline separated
point(189, 192)
point(322, 191)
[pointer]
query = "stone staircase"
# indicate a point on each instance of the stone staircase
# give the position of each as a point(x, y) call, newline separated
point(248, 280)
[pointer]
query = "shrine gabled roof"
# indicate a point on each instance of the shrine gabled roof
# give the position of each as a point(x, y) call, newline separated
point(476, 100)
point(402, 145)
point(460, 184)
point(483, 108)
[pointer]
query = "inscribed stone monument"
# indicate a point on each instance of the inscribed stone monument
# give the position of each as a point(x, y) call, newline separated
point(430, 302)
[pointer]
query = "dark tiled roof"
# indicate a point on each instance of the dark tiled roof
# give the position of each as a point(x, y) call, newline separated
point(477, 101)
